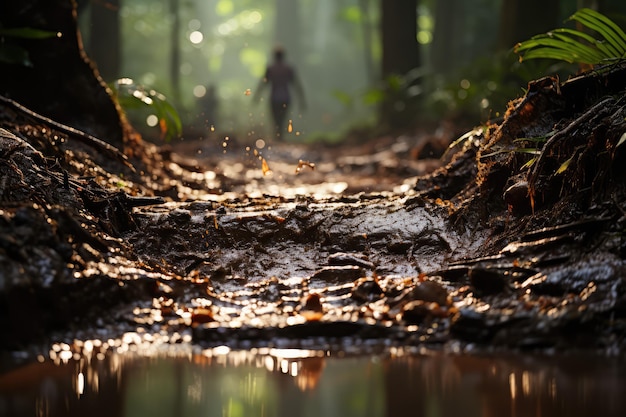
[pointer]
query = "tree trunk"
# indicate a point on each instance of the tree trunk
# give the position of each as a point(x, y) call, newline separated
point(175, 49)
point(104, 40)
point(368, 38)
point(522, 19)
point(400, 55)
point(399, 36)
point(61, 83)
point(446, 52)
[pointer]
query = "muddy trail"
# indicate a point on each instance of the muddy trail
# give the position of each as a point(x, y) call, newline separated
point(216, 242)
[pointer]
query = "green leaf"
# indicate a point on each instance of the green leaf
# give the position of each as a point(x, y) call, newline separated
point(27, 33)
point(538, 139)
point(575, 46)
point(532, 151)
point(604, 26)
point(530, 162)
point(564, 165)
point(131, 96)
point(621, 140)
point(467, 136)
point(590, 53)
point(562, 47)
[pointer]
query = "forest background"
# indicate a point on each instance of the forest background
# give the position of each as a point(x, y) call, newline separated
point(366, 64)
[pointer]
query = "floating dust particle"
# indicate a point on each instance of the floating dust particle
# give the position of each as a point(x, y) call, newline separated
point(302, 164)
point(290, 126)
point(265, 167)
point(247, 92)
point(212, 128)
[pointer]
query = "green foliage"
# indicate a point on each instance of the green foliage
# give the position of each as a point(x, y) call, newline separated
point(131, 96)
point(575, 46)
point(479, 90)
point(11, 52)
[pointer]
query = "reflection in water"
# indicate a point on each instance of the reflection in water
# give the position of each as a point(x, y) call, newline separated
point(288, 382)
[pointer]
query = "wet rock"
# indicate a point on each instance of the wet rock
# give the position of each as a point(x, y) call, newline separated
point(179, 216)
point(415, 312)
point(271, 290)
point(219, 274)
point(429, 291)
point(456, 273)
point(517, 197)
point(487, 281)
point(312, 308)
point(575, 277)
point(418, 311)
point(367, 290)
point(539, 285)
point(313, 302)
point(338, 274)
point(471, 326)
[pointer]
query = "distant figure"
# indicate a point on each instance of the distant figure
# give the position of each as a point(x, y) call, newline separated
point(281, 76)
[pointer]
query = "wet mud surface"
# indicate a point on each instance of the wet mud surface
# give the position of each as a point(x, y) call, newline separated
point(334, 247)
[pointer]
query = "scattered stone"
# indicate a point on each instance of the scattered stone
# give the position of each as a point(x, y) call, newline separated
point(487, 281)
point(367, 290)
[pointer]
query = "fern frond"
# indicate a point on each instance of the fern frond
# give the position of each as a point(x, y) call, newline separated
point(575, 46)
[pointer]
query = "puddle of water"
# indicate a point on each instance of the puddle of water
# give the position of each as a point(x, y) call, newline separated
point(275, 382)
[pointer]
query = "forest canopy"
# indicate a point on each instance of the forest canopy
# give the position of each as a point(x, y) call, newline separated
point(186, 49)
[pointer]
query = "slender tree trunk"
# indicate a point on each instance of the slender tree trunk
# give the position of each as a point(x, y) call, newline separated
point(399, 36)
point(368, 39)
point(400, 55)
point(446, 52)
point(104, 40)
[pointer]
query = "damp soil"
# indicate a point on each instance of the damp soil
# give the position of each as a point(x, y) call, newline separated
point(221, 242)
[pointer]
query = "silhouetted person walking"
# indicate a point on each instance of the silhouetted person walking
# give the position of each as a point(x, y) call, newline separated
point(281, 77)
